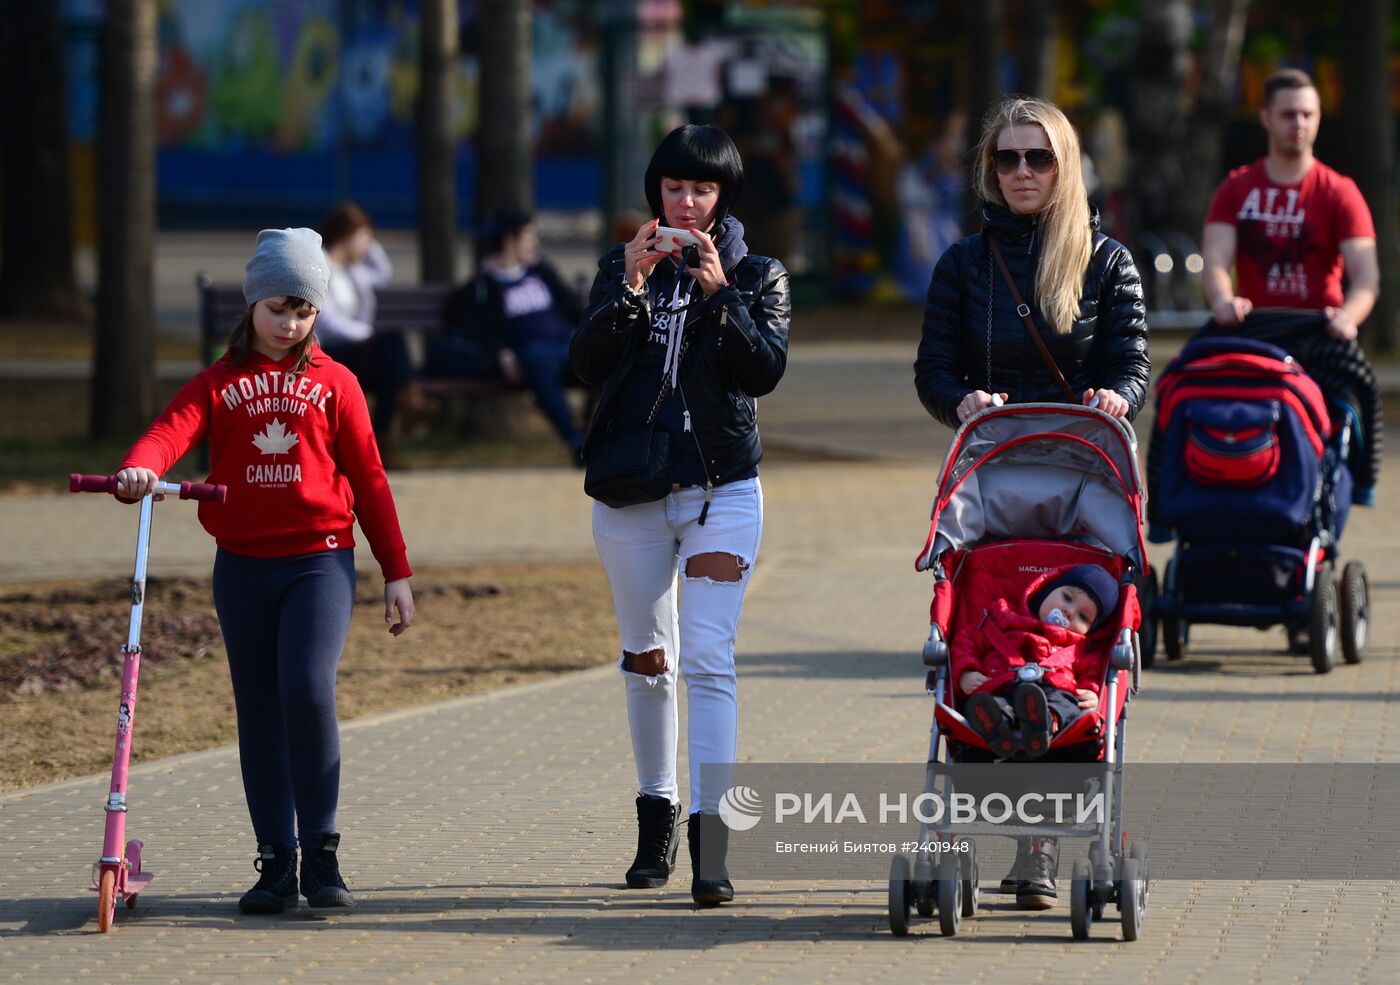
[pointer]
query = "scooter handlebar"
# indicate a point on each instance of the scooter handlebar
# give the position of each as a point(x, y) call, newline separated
point(186, 490)
point(203, 490)
point(92, 483)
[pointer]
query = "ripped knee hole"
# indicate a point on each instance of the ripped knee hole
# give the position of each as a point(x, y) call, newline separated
point(716, 567)
point(649, 663)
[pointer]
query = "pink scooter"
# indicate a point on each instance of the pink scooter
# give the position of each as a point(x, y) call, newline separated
point(118, 873)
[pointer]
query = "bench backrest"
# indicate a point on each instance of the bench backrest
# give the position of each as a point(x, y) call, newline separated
point(409, 307)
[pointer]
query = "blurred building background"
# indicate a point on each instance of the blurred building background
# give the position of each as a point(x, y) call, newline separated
point(854, 116)
point(124, 119)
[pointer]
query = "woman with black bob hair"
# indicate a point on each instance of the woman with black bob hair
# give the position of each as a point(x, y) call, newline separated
point(684, 330)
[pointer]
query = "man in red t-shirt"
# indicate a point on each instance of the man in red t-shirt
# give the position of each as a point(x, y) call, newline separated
point(1288, 223)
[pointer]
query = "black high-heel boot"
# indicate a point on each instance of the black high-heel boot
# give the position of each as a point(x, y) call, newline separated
point(658, 837)
point(708, 838)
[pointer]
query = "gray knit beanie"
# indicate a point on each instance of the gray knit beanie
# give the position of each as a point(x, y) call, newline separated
point(287, 262)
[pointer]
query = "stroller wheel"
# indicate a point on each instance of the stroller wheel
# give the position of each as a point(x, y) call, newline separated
point(1147, 634)
point(1322, 623)
point(970, 876)
point(1176, 635)
point(1132, 898)
point(1356, 611)
point(1298, 641)
point(899, 895)
point(1081, 909)
point(950, 887)
point(922, 888)
point(1174, 630)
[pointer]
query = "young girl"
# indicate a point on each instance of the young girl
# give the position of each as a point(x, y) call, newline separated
point(289, 435)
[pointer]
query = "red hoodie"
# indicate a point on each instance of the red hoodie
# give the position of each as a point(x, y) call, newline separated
point(296, 452)
point(1006, 638)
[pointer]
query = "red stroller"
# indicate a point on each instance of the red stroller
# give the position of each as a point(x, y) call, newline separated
point(1026, 488)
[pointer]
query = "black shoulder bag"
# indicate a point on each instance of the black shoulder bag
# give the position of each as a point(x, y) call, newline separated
point(1024, 311)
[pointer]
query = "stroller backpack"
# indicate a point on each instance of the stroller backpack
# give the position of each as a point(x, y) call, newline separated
point(1245, 432)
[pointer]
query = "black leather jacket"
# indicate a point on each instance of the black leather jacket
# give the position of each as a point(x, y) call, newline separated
point(738, 352)
point(1107, 346)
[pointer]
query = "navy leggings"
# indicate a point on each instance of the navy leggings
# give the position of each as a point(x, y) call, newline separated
point(284, 622)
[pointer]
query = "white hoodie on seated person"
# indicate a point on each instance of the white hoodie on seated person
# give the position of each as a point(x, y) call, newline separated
point(347, 316)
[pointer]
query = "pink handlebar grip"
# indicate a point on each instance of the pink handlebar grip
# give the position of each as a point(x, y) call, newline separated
point(203, 490)
point(92, 483)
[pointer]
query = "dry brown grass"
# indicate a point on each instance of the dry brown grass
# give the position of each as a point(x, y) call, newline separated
point(478, 628)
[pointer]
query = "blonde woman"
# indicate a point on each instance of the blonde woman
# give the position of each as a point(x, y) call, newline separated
point(1082, 289)
point(1039, 246)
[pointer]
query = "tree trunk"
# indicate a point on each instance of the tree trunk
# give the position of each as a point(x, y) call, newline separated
point(505, 165)
point(624, 153)
point(36, 238)
point(984, 25)
point(437, 156)
point(1220, 66)
point(1040, 26)
point(1371, 161)
point(123, 381)
point(1157, 122)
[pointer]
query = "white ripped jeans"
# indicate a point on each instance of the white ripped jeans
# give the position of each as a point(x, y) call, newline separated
point(643, 549)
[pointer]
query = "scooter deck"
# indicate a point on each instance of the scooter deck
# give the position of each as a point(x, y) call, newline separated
point(135, 883)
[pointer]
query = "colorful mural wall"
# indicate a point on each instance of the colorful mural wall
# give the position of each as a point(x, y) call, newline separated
point(277, 105)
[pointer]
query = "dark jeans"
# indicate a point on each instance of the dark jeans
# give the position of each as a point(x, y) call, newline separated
point(546, 368)
point(382, 365)
point(545, 365)
point(284, 622)
point(453, 357)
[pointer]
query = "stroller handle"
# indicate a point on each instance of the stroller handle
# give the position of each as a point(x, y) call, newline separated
point(186, 490)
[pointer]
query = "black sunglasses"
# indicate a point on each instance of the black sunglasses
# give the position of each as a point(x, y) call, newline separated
point(1038, 159)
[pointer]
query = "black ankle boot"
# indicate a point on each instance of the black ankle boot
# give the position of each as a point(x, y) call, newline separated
point(1012, 881)
point(658, 821)
point(708, 837)
point(320, 874)
point(1036, 890)
point(276, 888)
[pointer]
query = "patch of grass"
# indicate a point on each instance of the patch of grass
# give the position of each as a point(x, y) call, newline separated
point(477, 628)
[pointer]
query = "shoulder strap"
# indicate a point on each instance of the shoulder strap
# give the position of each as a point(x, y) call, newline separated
point(1024, 311)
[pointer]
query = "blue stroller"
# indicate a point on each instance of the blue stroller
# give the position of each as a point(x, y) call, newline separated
point(1255, 484)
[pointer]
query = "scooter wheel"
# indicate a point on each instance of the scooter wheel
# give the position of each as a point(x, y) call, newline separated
point(106, 900)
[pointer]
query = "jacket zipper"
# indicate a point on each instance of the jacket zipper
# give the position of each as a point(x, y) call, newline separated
point(704, 463)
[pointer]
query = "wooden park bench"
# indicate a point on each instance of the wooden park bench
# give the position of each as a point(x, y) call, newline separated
point(415, 309)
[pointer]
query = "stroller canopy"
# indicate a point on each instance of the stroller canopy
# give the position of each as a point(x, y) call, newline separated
point(1039, 472)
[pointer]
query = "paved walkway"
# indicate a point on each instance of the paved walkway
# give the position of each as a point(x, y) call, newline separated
point(486, 837)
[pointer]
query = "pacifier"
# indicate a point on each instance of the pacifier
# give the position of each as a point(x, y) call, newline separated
point(1057, 618)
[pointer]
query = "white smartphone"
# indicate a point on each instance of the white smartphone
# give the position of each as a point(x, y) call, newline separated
point(675, 239)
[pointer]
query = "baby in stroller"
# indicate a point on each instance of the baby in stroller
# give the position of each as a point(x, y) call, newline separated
point(1030, 666)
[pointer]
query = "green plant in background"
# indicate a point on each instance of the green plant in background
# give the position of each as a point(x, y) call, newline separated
point(246, 91)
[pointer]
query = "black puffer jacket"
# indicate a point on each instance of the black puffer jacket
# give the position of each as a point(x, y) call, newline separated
point(1107, 348)
point(738, 350)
